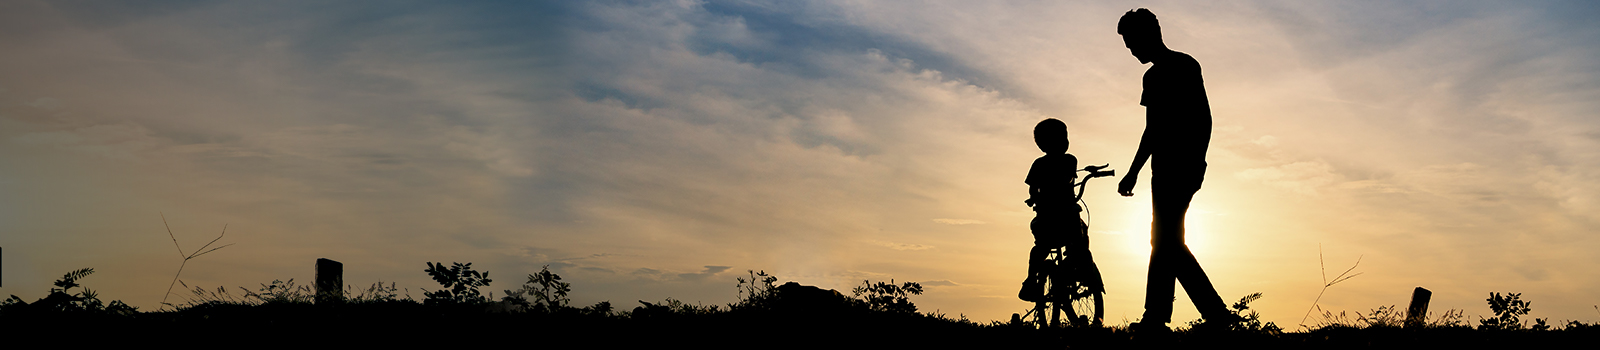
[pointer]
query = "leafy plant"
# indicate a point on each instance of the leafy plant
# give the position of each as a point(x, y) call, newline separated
point(59, 300)
point(889, 297)
point(548, 292)
point(460, 282)
point(1508, 310)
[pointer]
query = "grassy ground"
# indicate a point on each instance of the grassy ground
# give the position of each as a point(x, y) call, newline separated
point(766, 316)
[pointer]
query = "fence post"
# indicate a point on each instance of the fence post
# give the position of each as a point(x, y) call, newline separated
point(1417, 314)
point(330, 281)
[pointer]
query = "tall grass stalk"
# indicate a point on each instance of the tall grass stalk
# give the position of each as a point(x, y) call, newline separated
point(186, 257)
point(1325, 284)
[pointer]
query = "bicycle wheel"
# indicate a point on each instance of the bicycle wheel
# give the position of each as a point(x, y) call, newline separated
point(1048, 312)
point(1088, 309)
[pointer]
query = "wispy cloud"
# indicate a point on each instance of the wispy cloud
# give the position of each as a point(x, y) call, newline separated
point(902, 246)
point(959, 221)
point(693, 136)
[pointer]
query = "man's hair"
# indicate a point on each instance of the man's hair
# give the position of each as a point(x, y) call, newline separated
point(1050, 134)
point(1140, 23)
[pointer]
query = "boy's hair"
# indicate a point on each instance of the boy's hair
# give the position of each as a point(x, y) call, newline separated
point(1140, 23)
point(1051, 135)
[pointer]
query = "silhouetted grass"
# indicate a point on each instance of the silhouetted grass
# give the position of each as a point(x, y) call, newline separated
point(765, 315)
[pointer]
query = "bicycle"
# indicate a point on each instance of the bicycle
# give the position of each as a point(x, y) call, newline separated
point(1071, 281)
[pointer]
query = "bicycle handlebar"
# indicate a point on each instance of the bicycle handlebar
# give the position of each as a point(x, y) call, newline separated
point(1094, 171)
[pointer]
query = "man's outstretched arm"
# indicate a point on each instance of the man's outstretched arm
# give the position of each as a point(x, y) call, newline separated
point(1132, 177)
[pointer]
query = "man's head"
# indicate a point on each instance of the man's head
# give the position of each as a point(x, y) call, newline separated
point(1142, 34)
point(1051, 136)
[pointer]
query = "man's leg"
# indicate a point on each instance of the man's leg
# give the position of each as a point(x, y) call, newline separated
point(1196, 284)
point(1171, 259)
point(1181, 262)
point(1163, 233)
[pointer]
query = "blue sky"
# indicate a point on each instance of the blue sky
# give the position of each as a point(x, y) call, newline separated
point(647, 150)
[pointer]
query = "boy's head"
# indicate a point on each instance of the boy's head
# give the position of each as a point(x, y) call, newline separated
point(1051, 136)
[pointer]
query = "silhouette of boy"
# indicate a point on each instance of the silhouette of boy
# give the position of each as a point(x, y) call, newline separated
point(1055, 223)
point(1177, 133)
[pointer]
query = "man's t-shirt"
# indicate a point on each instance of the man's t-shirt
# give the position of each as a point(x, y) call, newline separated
point(1053, 175)
point(1179, 118)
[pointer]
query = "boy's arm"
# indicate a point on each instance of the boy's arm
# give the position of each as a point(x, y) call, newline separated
point(1132, 177)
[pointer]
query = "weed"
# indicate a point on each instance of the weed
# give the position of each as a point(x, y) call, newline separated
point(673, 307)
point(1250, 321)
point(757, 292)
point(1384, 316)
point(281, 292)
point(374, 294)
point(1450, 319)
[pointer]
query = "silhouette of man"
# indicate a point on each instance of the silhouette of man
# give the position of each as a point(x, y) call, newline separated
point(1176, 134)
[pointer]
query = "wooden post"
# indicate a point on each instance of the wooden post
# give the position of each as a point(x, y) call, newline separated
point(330, 281)
point(1417, 314)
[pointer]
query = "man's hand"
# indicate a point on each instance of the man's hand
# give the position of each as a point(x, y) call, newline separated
point(1126, 186)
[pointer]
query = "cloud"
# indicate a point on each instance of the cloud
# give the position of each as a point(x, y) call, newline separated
point(708, 272)
point(938, 283)
point(1308, 178)
point(959, 221)
point(903, 246)
point(668, 276)
point(780, 135)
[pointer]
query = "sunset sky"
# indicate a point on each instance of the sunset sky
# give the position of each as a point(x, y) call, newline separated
point(653, 149)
